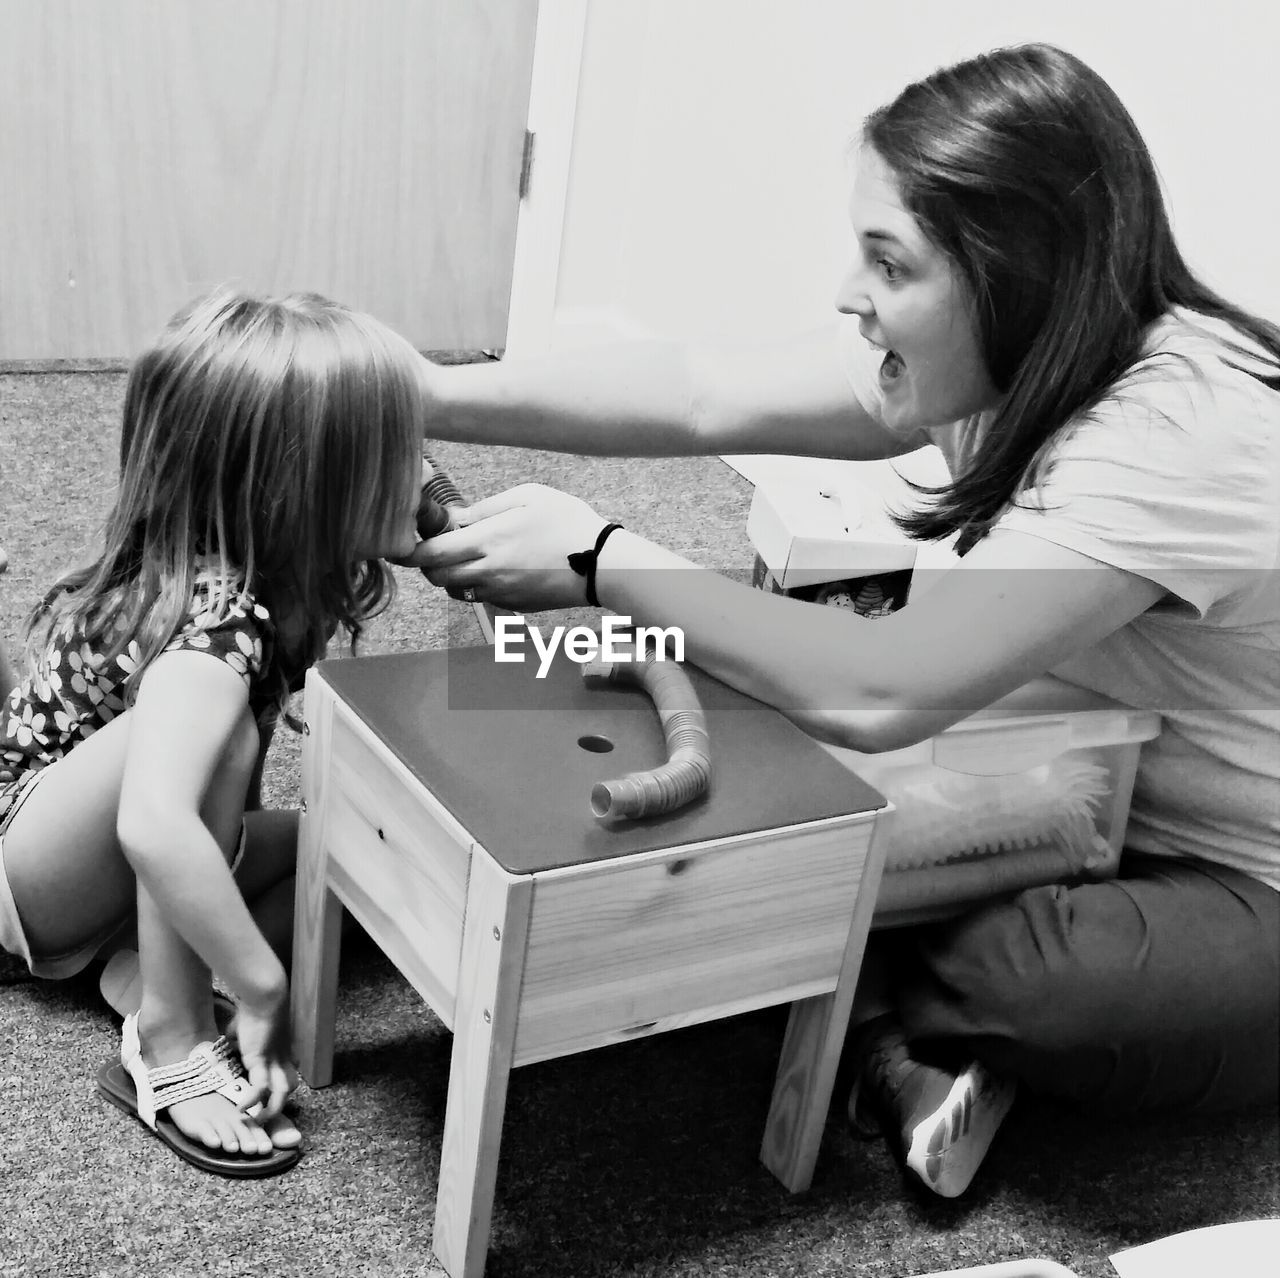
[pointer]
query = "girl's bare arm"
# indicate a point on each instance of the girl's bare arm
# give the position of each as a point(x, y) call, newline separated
point(188, 710)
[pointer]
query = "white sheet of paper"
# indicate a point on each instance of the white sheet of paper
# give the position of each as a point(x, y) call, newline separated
point(1245, 1249)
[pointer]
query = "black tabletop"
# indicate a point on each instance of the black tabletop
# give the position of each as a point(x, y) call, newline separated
point(500, 748)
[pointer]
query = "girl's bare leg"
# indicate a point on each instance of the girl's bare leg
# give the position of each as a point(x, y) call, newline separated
point(71, 883)
point(70, 879)
point(266, 875)
point(266, 878)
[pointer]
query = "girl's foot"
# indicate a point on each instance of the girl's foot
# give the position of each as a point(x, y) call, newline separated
point(121, 986)
point(212, 1119)
point(151, 1094)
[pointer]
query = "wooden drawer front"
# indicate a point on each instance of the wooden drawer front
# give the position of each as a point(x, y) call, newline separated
point(647, 943)
point(396, 859)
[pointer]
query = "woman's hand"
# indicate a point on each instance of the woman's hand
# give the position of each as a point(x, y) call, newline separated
point(513, 549)
point(262, 1028)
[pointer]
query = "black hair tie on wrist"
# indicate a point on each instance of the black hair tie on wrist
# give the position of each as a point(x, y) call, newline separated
point(584, 562)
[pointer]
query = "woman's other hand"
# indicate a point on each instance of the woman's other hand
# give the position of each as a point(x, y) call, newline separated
point(513, 549)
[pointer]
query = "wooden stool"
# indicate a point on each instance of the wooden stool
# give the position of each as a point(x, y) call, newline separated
point(446, 805)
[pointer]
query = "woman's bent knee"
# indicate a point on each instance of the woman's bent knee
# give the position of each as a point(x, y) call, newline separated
point(1135, 993)
point(1013, 970)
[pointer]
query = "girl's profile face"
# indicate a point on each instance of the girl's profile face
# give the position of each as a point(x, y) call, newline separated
point(388, 543)
point(395, 538)
point(395, 534)
point(914, 308)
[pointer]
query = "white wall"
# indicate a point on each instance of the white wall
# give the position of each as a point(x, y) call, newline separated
point(706, 188)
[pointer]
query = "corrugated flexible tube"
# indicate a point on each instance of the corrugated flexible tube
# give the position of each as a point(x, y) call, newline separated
point(687, 772)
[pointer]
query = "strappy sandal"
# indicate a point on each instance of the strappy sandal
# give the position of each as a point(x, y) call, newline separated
point(210, 1068)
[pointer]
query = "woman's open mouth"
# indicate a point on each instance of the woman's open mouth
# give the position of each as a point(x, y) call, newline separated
point(891, 367)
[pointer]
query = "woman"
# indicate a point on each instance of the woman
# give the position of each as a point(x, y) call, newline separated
point(1112, 428)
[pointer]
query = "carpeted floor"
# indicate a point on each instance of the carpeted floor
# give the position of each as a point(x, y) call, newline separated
point(639, 1159)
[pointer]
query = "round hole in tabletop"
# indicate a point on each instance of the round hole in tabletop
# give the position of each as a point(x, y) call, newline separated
point(595, 743)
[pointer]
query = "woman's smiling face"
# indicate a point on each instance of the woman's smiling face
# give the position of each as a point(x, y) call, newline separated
point(913, 305)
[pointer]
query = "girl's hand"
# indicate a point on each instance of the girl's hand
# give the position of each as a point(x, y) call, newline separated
point(262, 1028)
point(513, 549)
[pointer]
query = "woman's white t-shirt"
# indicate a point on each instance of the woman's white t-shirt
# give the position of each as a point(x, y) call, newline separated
point(1174, 476)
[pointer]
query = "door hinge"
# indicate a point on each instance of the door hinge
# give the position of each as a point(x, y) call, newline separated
point(526, 164)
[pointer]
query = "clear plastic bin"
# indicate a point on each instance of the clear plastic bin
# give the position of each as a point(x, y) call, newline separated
point(1044, 725)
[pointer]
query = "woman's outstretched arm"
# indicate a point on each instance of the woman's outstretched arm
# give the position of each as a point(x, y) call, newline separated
point(1013, 608)
point(664, 399)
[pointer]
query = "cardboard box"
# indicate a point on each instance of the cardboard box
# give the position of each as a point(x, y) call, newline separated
point(830, 545)
point(806, 535)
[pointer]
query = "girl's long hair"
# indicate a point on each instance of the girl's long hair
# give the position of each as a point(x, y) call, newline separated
point(1024, 167)
point(266, 444)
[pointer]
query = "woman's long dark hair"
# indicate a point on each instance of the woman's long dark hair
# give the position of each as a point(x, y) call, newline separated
point(1024, 167)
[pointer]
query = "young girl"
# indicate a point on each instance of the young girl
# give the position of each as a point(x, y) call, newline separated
point(269, 457)
point(1112, 428)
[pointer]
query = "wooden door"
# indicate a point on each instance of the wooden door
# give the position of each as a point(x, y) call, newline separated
point(366, 149)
